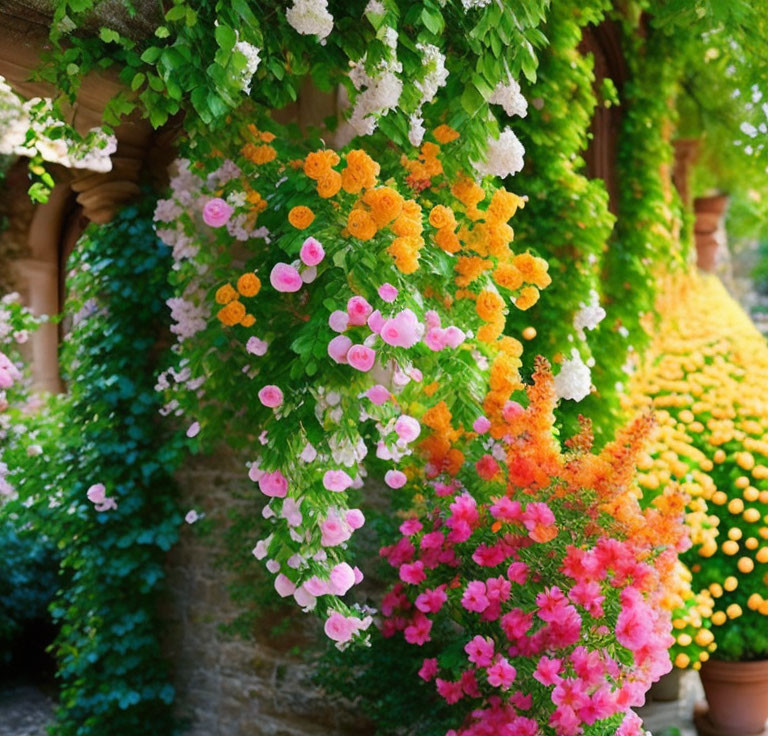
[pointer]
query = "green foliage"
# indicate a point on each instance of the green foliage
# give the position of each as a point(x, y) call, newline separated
point(28, 580)
point(106, 430)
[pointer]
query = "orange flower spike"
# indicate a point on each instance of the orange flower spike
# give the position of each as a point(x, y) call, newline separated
point(445, 134)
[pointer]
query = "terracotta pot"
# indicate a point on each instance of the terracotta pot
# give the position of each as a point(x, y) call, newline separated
point(706, 252)
point(716, 204)
point(667, 688)
point(737, 695)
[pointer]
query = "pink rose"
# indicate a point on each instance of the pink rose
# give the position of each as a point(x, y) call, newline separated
point(376, 321)
point(316, 587)
point(378, 394)
point(216, 212)
point(339, 321)
point(395, 478)
point(511, 410)
point(361, 357)
point(304, 599)
point(273, 485)
point(97, 493)
point(407, 428)
point(284, 586)
point(431, 319)
point(311, 252)
point(334, 531)
point(358, 310)
point(340, 628)
point(336, 480)
point(481, 425)
point(453, 337)
point(387, 292)
point(339, 347)
point(355, 518)
point(285, 278)
point(403, 330)
point(271, 396)
point(342, 578)
point(256, 347)
point(435, 339)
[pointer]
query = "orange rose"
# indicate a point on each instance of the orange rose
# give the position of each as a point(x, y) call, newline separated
point(489, 306)
point(385, 203)
point(259, 154)
point(248, 321)
point(249, 284)
point(442, 216)
point(448, 240)
point(361, 225)
point(360, 173)
point(329, 184)
point(225, 294)
point(301, 217)
point(232, 314)
point(507, 275)
point(503, 205)
point(528, 297)
point(320, 163)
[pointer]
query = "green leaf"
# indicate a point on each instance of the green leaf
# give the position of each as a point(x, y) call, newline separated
point(137, 81)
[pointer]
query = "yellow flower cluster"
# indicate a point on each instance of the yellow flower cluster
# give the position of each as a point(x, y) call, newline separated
point(705, 377)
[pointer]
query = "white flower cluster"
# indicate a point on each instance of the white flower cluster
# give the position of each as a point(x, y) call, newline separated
point(435, 77)
point(189, 318)
point(574, 381)
point(311, 18)
point(589, 315)
point(510, 98)
point(504, 157)
point(469, 4)
point(252, 60)
point(377, 94)
point(93, 152)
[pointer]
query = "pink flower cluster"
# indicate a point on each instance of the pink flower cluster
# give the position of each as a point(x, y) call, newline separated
point(402, 330)
point(536, 597)
point(9, 373)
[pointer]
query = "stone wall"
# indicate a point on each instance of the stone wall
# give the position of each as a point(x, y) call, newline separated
point(229, 686)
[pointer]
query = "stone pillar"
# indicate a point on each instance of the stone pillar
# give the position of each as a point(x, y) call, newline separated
point(709, 230)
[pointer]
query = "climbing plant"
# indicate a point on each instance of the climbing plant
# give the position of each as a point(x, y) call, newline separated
point(99, 485)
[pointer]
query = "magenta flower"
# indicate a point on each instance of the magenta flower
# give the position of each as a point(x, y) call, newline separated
point(193, 430)
point(428, 669)
point(474, 598)
point(274, 485)
point(336, 480)
point(376, 321)
point(97, 493)
point(501, 674)
point(271, 396)
point(216, 212)
point(311, 252)
point(480, 651)
point(334, 530)
point(413, 572)
point(285, 278)
point(361, 357)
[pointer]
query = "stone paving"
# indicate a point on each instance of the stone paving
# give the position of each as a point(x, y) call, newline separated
point(661, 718)
point(24, 711)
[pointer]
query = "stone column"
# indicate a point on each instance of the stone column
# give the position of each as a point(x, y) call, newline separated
point(709, 230)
